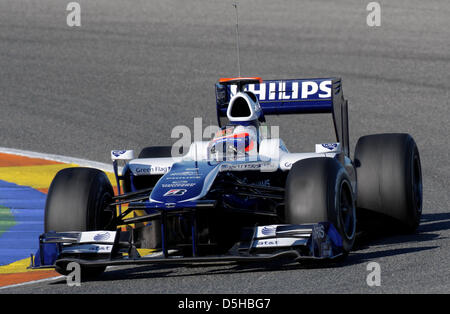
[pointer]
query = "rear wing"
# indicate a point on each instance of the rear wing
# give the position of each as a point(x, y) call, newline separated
point(294, 96)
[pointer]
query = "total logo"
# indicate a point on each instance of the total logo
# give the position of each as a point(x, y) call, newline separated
point(260, 243)
point(175, 192)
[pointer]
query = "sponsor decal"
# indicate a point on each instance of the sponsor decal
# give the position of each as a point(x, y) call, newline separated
point(260, 243)
point(96, 236)
point(175, 192)
point(102, 236)
point(117, 153)
point(100, 248)
point(184, 176)
point(185, 179)
point(178, 185)
point(248, 166)
point(122, 154)
point(183, 173)
point(288, 90)
point(330, 146)
point(319, 232)
point(150, 170)
point(268, 230)
point(87, 248)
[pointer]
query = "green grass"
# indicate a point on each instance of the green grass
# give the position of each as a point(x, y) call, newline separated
point(6, 219)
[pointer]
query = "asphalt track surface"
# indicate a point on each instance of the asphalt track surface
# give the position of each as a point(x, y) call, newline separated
point(135, 69)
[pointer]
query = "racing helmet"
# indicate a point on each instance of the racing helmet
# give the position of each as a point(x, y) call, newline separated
point(234, 142)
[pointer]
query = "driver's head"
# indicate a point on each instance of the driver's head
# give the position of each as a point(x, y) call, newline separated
point(234, 141)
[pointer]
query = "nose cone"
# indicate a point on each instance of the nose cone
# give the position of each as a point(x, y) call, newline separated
point(186, 181)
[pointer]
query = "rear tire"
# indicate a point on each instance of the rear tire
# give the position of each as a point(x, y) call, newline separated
point(390, 178)
point(78, 200)
point(319, 190)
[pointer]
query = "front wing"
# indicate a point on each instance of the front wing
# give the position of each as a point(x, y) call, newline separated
point(262, 243)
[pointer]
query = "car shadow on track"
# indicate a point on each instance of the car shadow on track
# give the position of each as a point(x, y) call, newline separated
point(435, 222)
point(368, 247)
point(159, 271)
point(430, 229)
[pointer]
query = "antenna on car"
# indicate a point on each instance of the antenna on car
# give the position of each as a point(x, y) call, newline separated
point(235, 5)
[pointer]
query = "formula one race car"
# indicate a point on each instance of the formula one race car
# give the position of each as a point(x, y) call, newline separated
point(241, 196)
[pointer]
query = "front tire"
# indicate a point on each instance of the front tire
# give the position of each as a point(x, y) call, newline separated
point(319, 190)
point(78, 200)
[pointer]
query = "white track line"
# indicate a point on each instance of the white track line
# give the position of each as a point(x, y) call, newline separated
point(32, 282)
point(60, 158)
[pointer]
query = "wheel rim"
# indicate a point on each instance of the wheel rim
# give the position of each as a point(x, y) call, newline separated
point(347, 211)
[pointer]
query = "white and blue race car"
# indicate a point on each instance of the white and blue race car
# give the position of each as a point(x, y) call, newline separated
point(241, 196)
